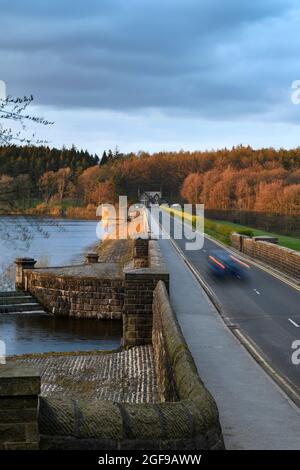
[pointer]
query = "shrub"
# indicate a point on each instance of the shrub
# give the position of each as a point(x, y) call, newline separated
point(246, 231)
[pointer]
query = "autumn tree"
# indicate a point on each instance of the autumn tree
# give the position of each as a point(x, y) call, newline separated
point(103, 193)
point(192, 188)
point(63, 177)
point(48, 185)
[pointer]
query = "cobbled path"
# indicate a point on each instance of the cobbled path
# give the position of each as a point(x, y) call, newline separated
point(126, 376)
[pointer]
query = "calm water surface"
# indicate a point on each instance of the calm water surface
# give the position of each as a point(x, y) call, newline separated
point(42, 333)
point(52, 242)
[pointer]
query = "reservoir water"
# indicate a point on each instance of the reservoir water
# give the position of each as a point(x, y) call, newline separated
point(52, 242)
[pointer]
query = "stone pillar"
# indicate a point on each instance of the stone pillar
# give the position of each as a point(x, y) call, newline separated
point(137, 308)
point(19, 391)
point(21, 264)
point(92, 258)
point(141, 253)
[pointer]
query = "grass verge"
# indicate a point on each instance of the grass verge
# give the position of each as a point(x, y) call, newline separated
point(221, 230)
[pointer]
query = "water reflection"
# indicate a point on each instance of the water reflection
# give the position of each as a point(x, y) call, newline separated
point(52, 242)
point(44, 333)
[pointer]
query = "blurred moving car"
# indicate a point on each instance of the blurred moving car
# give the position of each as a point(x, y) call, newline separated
point(222, 263)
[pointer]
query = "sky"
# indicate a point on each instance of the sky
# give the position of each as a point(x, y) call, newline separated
point(156, 74)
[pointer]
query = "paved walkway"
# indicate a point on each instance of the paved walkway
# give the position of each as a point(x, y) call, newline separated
point(254, 412)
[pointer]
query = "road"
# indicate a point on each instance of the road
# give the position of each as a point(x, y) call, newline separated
point(263, 308)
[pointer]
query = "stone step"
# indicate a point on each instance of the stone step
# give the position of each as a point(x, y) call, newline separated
point(26, 307)
point(29, 312)
point(17, 300)
point(14, 293)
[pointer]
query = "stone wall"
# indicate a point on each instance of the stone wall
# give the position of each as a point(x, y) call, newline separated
point(104, 290)
point(139, 285)
point(177, 375)
point(185, 419)
point(88, 291)
point(279, 257)
point(186, 416)
point(165, 330)
point(19, 390)
point(236, 241)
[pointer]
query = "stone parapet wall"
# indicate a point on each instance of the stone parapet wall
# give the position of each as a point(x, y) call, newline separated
point(139, 285)
point(19, 390)
point(104, 290)
point(279, 257)
point(186, 416)
point(177, 375)
point(236, 241)
point(164, 324)
point(80, 296)
point(185, 419)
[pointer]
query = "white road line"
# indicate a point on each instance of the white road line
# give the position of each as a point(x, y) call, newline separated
point(256, 291)
point(294, 323)
point(253, 262)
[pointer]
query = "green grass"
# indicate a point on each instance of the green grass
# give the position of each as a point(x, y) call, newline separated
point(289, 242)
point(221, 230)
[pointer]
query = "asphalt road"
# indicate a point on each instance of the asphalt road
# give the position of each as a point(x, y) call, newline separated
point(264, 308)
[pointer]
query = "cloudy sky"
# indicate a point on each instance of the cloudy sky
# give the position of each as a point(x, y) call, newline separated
point(156, 74)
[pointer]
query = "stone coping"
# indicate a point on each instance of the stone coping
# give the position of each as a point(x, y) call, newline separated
point(19, 380)
point(94, 270)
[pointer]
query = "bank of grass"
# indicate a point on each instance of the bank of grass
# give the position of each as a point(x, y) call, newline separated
point(283, 240)
point(67, 208)
point(221, 230)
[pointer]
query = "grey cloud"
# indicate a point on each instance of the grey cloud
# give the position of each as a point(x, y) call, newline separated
point(210, 58)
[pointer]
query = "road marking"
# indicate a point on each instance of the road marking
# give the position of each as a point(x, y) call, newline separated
point(257, 264)
point(251, 261)
point(279, 379)
point(283, 383)
point(294, 323)
point(256, 291)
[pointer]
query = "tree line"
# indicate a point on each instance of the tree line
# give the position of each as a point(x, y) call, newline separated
point(241, 178)
point(265, 180)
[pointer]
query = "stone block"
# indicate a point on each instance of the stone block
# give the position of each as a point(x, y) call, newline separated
point(12, 432)
point(19, 380)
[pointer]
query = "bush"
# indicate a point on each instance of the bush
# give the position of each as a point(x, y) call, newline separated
point(246, 231)
point(220, 231)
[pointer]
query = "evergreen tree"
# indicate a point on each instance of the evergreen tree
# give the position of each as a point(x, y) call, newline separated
point(104, 159)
